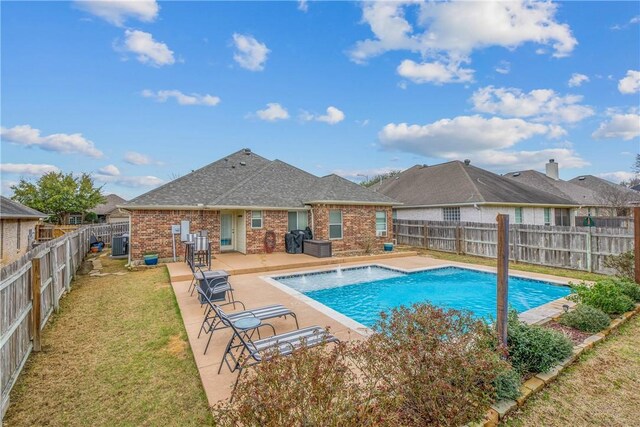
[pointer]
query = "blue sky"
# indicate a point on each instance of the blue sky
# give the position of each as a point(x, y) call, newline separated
point(137, 93)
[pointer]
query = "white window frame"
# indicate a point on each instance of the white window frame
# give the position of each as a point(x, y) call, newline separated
point(334, 224)
point(75, 219)
point(546, 216)
point(298, 213)
point(451, 212)
point(381, 233)
point(520, 211)
point(260, 218)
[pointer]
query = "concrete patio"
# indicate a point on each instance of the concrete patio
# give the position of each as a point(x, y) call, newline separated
point(254, 291)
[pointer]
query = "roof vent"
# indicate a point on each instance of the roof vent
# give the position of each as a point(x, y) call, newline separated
point(467, 162)
point(243, 163)
point(233, 166)
point(581, 178)
point(424, 166)
point(516, 174)
point(226, 160)
point(247, 151)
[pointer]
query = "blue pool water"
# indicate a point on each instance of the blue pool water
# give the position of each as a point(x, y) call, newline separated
point(362, 293)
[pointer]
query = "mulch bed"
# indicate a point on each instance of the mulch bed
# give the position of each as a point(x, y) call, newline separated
point(574, 335)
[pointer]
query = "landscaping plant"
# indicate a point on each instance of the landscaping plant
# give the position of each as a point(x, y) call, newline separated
point(586, 319)
point(535, 349)
point(607, 295)
point(507, 385)
point(622, 264)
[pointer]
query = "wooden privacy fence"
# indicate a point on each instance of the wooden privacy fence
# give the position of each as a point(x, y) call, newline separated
point(105, 232)
point(30, 290)
point(578, 248)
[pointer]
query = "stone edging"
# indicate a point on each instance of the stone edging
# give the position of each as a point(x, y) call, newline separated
point(499, 410)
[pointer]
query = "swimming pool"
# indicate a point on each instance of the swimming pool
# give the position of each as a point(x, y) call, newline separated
point(361, 293)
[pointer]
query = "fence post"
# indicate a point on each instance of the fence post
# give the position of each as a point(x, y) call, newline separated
point(425, 234)
point(458, 240)
point(35, 301)
point(67, 268)
point(589, 251)
point(636, 241)
point(503, 278)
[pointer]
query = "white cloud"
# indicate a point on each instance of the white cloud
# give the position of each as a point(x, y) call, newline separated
point(620, 126)
point(504, 67)
point(363, 174)
point(617, 176)
point(506, 161)
point(182, 98)
point(303, 5)
point(129, 181)
point(27, 168)
point(58, 142)
point(134, 158)
point(273, 112)
point(459, 135)
point(539, 104)
point(577, 79)
point(5, 188)
point(148, 50)
point(631, 83)
point(333, 116)
point(635, 20)
point(250, 53)
point(448, 32)
point(117, 12)
point(434, 72)
point(110, 170)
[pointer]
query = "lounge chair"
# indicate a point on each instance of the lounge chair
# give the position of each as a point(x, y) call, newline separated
point(213, 322)
point(254, 352)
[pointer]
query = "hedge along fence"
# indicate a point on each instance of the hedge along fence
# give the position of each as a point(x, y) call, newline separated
point(30, 290)
point(578, 248)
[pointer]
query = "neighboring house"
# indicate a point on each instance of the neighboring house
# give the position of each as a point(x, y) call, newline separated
point(109, 212)
point(238, 198)
point(618, 198)
point(17, 229)
point(550, 182)
point(458, 191)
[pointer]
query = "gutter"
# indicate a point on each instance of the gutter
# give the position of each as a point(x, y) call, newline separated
point(538, 205)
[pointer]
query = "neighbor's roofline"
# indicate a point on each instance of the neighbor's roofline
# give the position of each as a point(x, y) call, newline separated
point(210, 207)
point(350, 202)
point(20, 216)
point(444, 205)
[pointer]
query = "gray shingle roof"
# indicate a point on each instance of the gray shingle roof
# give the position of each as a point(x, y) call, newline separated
point(580, 195)
point(111, 201)
point(455, 183)
point(244, 179)
point(603, 188)
point(12, 209)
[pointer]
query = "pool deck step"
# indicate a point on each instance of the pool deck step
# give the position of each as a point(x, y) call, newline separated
point(237, 264)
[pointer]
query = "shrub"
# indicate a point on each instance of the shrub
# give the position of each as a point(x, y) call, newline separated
point(534, 349)
point(507, 385)
point(586, 318)
point(628, 287)
point(422, 366)
point(606, 295)
point(441, 364)
point(622, 264)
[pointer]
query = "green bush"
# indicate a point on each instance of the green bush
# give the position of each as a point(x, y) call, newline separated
point(535, 349)
point(586, 318)
point(623, 264)
point(605, 294)
point(507, 385)
point(629, 288)
point(422, 366)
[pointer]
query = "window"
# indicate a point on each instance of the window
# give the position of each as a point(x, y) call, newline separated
point(18, 232)
point(335, 224)
point(451, 214)
point(256, 219)
point(562, 217)
point(75, 219)
point(298, 220)
point(381, 224)
point(547, 216)
point(518, 215)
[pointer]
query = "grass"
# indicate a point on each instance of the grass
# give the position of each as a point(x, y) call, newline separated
point(601, 389)
point(562, 272)
point(115, 354)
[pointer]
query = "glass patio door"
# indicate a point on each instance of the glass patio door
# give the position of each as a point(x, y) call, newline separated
point(226, 232)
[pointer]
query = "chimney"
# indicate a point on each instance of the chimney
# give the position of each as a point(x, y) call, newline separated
point(467, 162)
point(552, 170)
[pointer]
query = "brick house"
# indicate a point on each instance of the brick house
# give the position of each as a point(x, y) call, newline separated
point(238, 198)
point(17, 229)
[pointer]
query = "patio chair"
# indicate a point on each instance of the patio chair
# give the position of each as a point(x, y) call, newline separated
point(216, 286)
point(255, 352)
point(213, 322)
point(199, 273)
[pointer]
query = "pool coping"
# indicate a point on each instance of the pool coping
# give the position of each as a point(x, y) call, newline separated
point(536, 315)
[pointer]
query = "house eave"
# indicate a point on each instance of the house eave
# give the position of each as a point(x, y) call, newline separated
point(213, 208)
point(349, 202)
point(444, 205)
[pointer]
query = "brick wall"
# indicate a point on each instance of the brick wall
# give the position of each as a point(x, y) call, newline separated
point(14, 240)
point(276, 221)
point(151, 230)
point(358, 225)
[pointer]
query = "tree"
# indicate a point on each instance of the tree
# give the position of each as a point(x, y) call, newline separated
point(57, 194)
point(379, 178)
point(636, 170)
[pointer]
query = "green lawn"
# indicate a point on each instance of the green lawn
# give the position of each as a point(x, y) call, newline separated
point(601, 389)
point(116, 354)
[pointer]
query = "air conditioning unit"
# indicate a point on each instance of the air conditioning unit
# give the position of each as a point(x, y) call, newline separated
point(120, 246)
point(381, 233)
